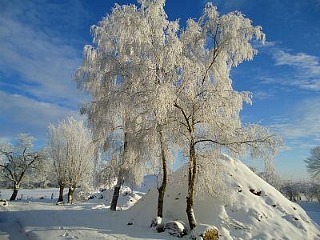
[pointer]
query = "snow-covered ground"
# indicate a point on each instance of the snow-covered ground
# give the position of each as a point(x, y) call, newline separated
point(37, 216)
point(247, 208)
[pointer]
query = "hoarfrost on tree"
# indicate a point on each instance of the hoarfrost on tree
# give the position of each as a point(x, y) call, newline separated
point(144, 67)
point(72, 151)
point(19, 161)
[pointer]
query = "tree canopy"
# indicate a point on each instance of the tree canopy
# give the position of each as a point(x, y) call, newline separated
point(313, 162)
point(18, 160)
point(72, 151)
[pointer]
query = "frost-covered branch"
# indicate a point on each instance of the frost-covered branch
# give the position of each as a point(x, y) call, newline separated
point(20, 160)
point(72, 151)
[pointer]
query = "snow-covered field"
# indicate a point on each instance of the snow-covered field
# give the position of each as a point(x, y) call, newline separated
point(37, 216)
point(252, 210)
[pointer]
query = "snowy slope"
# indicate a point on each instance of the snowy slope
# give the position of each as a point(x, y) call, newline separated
point(246, 208)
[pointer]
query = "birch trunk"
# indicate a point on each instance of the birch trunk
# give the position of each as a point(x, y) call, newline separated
point(191, 185)
point(15, 192)
point(70, 194)
point(116, 192)
point(61, 188)
point(120, 179)
point(162, 188)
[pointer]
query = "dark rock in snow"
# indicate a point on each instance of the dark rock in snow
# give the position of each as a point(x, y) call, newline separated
point(4, 202)
point(255, 192)
point(160, 228)
point(176, 228)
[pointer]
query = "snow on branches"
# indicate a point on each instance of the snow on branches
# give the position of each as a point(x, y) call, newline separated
point(149, 78)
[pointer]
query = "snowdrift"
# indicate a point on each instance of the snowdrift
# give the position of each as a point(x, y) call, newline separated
point(244, 206)
point(127, 198)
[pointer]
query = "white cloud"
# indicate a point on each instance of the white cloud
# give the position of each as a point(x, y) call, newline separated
point(20, 114)
point(303, 123)
point(261, 95)
point(227, 6)
point(306, 74)
point(300, 60)
point(40, 62)
point(40, 51)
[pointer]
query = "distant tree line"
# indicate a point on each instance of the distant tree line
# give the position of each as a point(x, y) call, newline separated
point(294, 190)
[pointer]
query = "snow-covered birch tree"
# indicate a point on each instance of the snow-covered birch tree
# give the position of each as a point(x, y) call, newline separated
point(56, 152)
point(18, 160)
point(162, 45)
point(208, 108)
point(109, 74)
point(129, 74)
point(71, 148)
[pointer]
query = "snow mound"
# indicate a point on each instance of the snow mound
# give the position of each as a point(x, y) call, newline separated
point(3, 202)
point(127, 198)
point(243, 206)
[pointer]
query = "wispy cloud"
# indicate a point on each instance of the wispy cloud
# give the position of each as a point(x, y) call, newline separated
point(261, 95)
point(37, 62)
point(36, 57)
point(306, 69)
point(303, 123)
point(227, 6)
point(301, 60)
point(20, 114)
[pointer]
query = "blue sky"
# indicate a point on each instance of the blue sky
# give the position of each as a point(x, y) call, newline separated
point(41, 46)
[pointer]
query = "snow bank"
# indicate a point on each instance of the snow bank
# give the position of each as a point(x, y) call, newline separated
point(243, 207)
point(127, 197)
